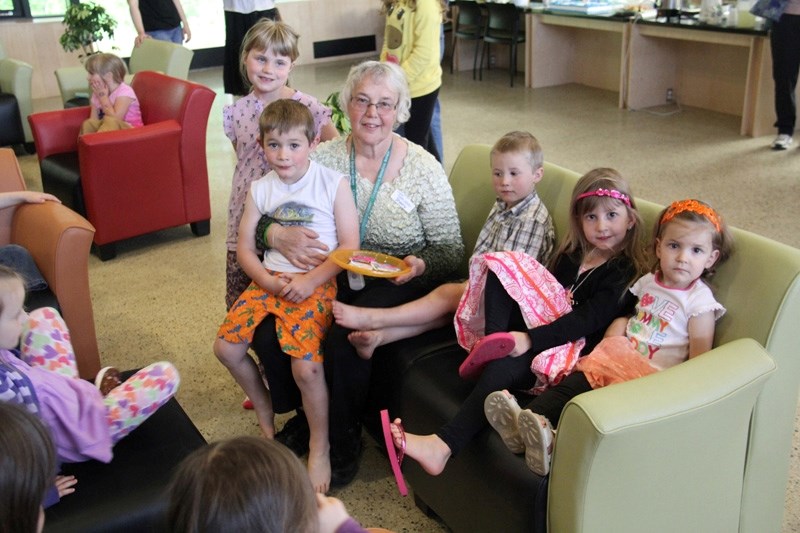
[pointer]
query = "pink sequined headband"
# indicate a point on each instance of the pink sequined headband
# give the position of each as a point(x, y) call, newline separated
point(611, 193)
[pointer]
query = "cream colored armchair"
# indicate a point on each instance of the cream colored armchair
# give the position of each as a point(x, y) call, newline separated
point(160, 56)
point(15, 78)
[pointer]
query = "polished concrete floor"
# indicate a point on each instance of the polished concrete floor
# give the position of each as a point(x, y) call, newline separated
point(162, 297)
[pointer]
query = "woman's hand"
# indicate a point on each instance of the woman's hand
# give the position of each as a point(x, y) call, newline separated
point(417, 269)
point(65, 485)
point(301, 246)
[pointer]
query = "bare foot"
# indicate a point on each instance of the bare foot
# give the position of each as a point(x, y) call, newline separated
point(522, 343)
point(365, 342)
point(429, 451)
point(319, 470)
point(353, 317)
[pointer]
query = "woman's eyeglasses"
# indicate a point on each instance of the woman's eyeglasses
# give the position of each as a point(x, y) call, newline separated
point(382, 107)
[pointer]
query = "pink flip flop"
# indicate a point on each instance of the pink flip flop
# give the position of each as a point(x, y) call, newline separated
point(485, 351)
point(395, 455)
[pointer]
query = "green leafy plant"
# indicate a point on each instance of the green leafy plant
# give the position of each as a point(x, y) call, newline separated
point(339, 118)
point(85, 25)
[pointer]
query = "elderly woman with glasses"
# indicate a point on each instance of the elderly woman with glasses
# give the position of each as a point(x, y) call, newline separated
point(406, 209)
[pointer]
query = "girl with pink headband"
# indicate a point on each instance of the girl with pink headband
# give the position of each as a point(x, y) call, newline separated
point(526, 326)
point(674, 320)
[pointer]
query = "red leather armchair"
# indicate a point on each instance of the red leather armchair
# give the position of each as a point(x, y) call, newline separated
point(136, 181)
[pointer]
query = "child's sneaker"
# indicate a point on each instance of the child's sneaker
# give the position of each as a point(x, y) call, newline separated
point(537, 434)
point(501, 411)
point(782, 142)
point(107, 380)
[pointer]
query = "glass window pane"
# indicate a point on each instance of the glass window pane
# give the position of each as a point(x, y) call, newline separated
point(48, 8)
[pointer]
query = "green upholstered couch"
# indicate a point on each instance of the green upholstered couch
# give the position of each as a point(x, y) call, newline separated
point(704, 446)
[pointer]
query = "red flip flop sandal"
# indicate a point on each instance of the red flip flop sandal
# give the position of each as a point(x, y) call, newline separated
point(395, 455)
point(485, 351)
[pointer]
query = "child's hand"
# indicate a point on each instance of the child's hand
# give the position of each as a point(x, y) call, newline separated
point(35, 197)
point(65, 485)
point(298, 289)
point(332, 513)
point(98, 86)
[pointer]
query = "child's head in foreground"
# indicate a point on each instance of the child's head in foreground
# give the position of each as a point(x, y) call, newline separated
point(690, 239)
point(242, 484)
point(288, 135)
point(12, 313)
point(107, 66)
point(27, 469)
point(516, 166)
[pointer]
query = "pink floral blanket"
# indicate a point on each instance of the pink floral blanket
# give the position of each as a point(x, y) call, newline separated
point(541, 298)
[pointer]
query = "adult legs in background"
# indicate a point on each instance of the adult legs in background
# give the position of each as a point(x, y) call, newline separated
point(418, 127)
point(436, 118)
point(785, 44)
point(175, 35)
point(236, 25)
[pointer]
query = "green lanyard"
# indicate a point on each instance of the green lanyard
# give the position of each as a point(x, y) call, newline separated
point(378, 181)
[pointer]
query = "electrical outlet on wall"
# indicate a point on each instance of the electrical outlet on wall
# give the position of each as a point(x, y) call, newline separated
point(670, 96)
point(492, 60)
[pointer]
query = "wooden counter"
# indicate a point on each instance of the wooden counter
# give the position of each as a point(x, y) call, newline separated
point(721, 69)
point(568, 49)
point(725, 71)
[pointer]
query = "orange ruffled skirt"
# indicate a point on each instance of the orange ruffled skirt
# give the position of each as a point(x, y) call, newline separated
point(614, 360)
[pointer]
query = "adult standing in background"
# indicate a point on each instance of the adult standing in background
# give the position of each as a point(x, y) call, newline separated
point(784, 39)
point(160, 19)
point(240, 15)
point(411, 40)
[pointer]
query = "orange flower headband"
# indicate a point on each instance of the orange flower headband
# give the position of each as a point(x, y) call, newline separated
point(692, 206)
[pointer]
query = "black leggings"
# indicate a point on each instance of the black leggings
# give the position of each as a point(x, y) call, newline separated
point(513, 373)
point(418, 127)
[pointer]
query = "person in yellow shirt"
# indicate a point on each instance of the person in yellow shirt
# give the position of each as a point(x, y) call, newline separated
point(411, 40)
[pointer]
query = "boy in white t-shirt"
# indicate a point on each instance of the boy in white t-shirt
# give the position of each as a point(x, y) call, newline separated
point(297, 191)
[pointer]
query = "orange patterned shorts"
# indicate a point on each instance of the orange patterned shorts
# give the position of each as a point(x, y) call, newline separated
point(300, 327)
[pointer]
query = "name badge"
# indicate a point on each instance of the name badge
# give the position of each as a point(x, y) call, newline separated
point(402, 200)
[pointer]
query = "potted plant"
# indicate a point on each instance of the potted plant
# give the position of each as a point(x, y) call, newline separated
point(339, 118)
point(85, 25)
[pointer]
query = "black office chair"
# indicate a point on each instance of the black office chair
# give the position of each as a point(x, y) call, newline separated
point(468, 26)
point(503, 27)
